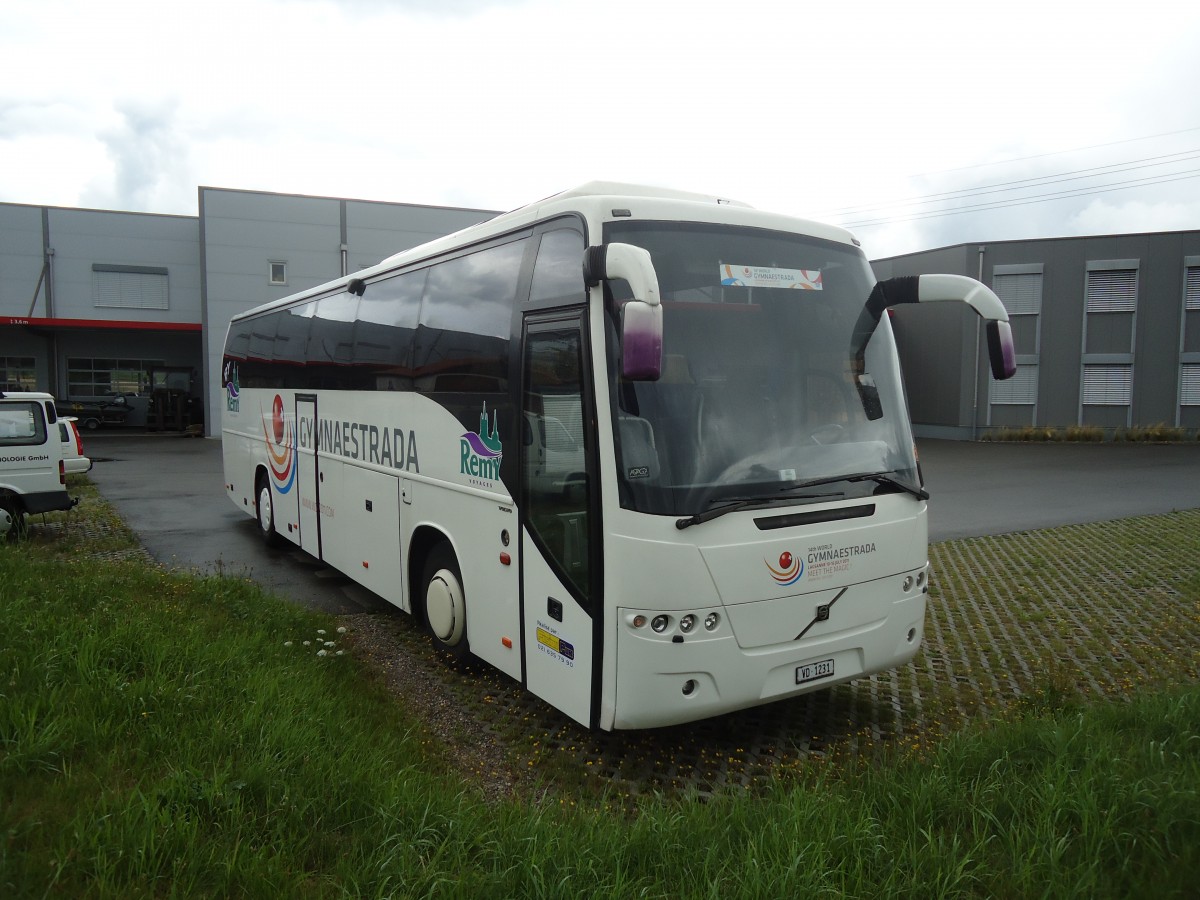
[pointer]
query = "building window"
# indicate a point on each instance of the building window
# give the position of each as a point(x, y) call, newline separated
point(1189, 357)
point(1191, 288)
point(130, 287)
point(1021, 291)
point(1107, 385)
point(1019, 288)
point(88, 377)
point(1020, 390)
point(1112, 289)
point(1189, 385)
point(278, 272)
point(18, 373)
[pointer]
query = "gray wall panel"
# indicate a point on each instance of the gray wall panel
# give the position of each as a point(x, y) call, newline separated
point(20, 259)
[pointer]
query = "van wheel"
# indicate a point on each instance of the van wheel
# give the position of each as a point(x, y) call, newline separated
point(264, 507)
point(12, 518)
point(445, 602)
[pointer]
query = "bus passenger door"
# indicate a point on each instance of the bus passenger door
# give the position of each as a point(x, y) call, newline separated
point(559, 547)
point(307, 476)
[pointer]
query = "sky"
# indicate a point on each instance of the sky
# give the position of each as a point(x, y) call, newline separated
point(916, 124)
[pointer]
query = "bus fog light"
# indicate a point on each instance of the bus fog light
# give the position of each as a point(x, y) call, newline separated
point(687, 623)
point(660, 623)
point(639, 621)
point(711, 621)
point(908, 584)
point(921, 578)
point(689, 687)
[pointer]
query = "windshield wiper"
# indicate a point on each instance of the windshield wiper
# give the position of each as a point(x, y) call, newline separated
point(887, 479)
point(733, 504)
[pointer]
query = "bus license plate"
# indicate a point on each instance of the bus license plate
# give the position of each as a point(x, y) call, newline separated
point(813, 671)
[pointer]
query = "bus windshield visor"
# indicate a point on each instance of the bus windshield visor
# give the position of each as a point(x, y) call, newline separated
point(759, 391)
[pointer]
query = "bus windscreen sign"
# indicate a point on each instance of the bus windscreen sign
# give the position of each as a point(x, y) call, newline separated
point(769, 277)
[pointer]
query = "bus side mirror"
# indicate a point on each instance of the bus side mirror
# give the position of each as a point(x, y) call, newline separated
point(641, 317)
point(1001, 352)
point(978, 296)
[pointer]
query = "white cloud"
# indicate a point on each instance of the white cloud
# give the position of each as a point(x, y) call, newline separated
point(493, 103)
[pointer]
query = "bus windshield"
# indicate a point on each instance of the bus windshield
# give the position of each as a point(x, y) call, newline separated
point(758, 393)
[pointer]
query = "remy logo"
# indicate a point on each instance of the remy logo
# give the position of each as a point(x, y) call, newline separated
point(480, 452)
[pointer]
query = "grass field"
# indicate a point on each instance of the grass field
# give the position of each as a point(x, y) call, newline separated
point(170, 735)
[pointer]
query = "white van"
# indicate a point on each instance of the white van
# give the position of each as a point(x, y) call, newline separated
point(32, 475)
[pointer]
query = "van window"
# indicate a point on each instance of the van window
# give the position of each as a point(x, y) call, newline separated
point(21, 424)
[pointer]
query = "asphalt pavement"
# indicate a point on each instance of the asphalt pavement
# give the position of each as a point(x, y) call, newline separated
point(169, 489)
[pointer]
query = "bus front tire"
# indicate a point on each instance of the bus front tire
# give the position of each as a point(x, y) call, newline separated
point(264, 510)
point(445, 603)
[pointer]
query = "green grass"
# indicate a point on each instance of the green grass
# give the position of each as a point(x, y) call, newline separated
point(159, 738)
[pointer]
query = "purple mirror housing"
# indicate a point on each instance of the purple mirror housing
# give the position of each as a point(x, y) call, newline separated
point(1001, 352)
point(641, 341)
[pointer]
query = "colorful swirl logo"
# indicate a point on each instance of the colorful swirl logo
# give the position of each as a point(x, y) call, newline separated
point(789, 571)
point(281, 451)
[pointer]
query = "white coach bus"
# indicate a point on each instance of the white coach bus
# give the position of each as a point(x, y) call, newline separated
point(646, 452)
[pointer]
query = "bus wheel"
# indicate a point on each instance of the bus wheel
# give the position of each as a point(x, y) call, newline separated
point(445, 602)
point(265, 512)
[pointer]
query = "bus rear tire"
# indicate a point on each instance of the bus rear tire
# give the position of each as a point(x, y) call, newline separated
point(264, 512)
point(445, 602)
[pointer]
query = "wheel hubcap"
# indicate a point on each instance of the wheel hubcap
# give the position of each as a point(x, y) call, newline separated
point(443, 606)
point(265, 516)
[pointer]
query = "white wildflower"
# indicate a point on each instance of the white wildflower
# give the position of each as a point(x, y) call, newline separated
point(320, 631)
point(308, 643)
point(341, 629)
point(322, 653)
point(287, 643)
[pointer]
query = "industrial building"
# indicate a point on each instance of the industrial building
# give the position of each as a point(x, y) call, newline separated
point(1107, 334)
point(102, 307)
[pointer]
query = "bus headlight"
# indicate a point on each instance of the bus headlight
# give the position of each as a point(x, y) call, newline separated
point(660, 623)
point(711, 621)
point(687, 623)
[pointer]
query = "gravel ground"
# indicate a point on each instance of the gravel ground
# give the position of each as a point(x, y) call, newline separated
point(1030, 620)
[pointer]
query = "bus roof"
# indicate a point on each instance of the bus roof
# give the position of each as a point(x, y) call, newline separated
point(596, 201)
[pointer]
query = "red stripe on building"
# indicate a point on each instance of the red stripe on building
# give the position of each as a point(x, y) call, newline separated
point(101, 323)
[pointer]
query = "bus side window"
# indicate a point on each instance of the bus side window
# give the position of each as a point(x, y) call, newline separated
point(462, 338)
point(387, 324)
point(558, 274)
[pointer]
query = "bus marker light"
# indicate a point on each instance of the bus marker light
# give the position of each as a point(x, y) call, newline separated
point(507, 642)
point(366, 565)
point(505, 559)
point(639, 621)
